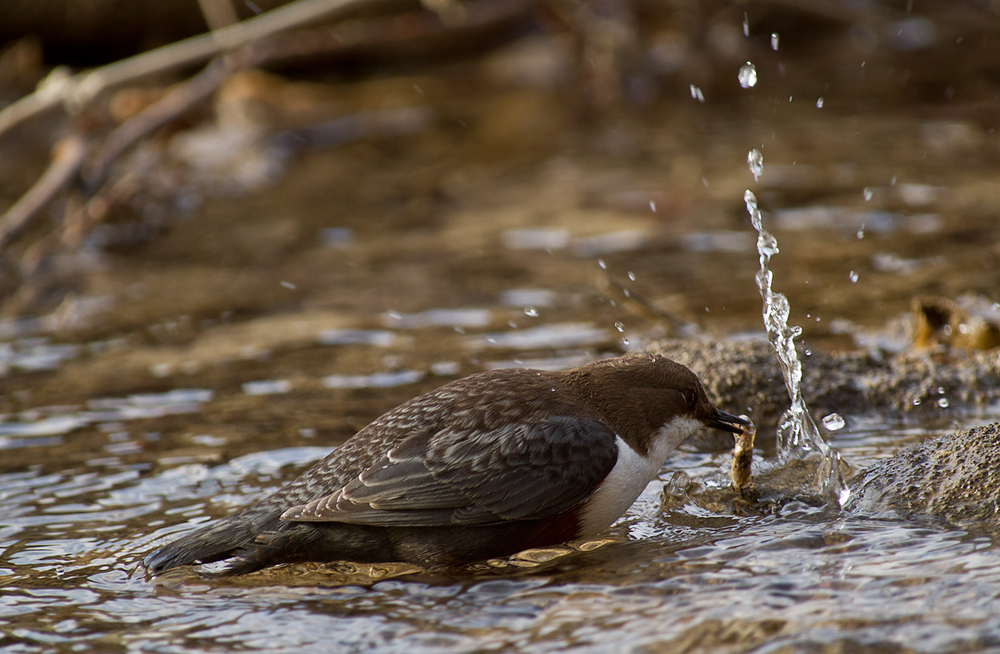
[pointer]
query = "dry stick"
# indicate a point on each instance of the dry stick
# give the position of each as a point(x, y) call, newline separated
point(79, 90)
point(479, 14)
point(218, 13)
point(71, 152)
point(67, 159)
point(287, 46)
point(64, 167)
point(175, 103)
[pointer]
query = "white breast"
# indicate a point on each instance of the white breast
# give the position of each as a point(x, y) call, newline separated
point(632, 472)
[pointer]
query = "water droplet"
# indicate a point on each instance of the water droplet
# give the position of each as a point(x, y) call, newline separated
point(625, 342)
point(943, 402)
point(619, 325)
point(531, 312)
point(697, 94)
point(652, 206)
point(774, 41)
point(748, 75)
point(746, 24)
point(916, 401)
point(861, 231)
point(940, 390)
point(600, 262)
point(853, 276)
point(834, 421)
point(631, 275)
point(868, 193)
point(845, 494)
point(819, 102)
point(756, 162)
point(798, 434)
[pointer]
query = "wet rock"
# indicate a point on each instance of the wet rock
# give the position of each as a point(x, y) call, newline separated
point(955, 477)
point(744, 376)
point(944, 322)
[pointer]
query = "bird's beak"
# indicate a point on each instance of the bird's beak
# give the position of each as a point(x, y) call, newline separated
point(727, 422)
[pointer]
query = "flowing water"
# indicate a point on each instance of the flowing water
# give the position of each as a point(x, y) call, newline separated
point(798, 435)
point(174, 371)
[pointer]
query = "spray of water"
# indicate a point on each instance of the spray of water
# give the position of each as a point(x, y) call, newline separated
point(798, 435)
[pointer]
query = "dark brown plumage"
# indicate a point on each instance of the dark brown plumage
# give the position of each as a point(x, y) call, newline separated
point(485, 466)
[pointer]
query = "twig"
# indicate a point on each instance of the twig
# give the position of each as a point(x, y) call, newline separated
point(68, 156)
point(372, 32)
point(156, 115)
point(79, 90)
point(218, 13)
point(65, 167)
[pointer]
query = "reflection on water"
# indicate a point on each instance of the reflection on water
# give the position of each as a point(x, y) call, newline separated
point(374, 380)
point(559, 335)
point(803, 577)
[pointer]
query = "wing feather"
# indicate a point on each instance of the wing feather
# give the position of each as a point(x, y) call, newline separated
point(518, 472)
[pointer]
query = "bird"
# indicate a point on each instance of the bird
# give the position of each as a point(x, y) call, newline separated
point(482, 467)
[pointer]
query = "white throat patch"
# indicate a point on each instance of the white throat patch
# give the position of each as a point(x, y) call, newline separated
point(632, 472)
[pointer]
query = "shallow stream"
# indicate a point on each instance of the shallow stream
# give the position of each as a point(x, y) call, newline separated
point(160, 381)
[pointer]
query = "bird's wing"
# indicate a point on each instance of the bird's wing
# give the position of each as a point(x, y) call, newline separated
point(520, 472)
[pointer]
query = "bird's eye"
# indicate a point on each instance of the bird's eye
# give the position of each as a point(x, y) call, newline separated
point(690, 397)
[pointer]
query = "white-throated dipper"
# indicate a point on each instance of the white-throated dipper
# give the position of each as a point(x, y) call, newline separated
point(482, 467)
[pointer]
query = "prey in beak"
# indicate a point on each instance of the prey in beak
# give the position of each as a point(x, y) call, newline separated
point(744, 431)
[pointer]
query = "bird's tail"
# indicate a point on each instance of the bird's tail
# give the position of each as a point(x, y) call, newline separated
point(220, 540)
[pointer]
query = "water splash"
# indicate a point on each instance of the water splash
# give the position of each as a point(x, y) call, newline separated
point(798, 435)
point(755, 160)
point(834, 422)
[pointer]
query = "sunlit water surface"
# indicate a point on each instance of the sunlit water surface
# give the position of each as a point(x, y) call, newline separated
point(684, 579)
point(240, 347)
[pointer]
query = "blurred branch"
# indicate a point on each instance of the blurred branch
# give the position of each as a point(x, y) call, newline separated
point(302, 43)
point(69, 161)
point(174, 104)
point(68, 157)
point(218, 13)
point(79, 90)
